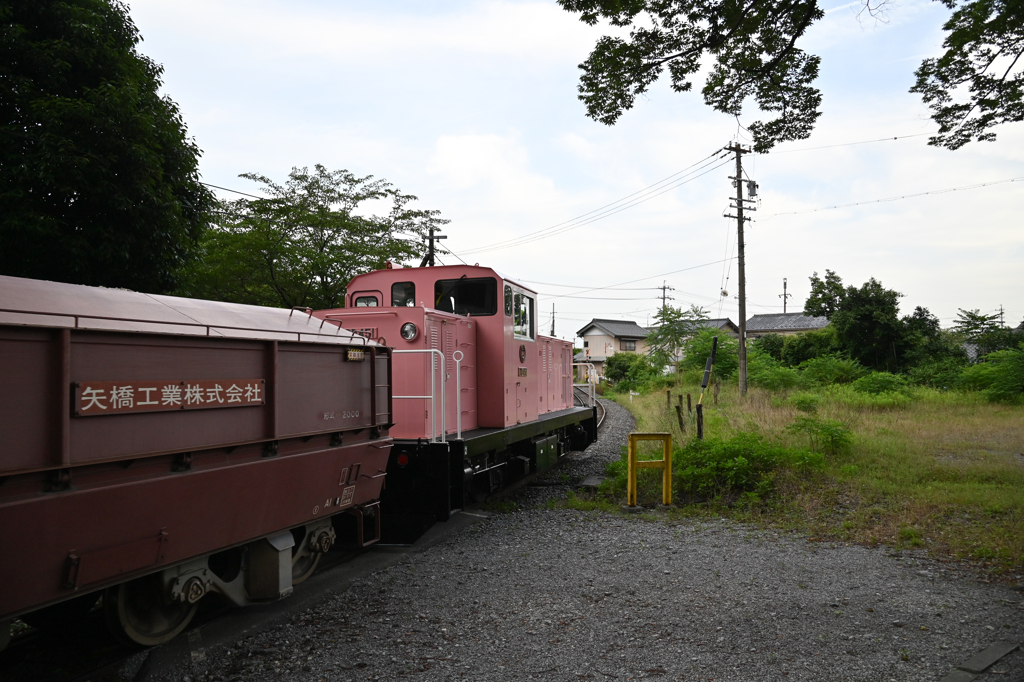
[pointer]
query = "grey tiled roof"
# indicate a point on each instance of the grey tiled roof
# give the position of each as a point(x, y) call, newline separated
point(785, 322)
point(721, 323)
point(621, 329)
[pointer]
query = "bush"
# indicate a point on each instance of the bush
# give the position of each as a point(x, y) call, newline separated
point(831, 369)
point(806, 402)
point(868, 401)
point(698, 349)
point(630, 371)
point(941, 373)
point(827, 435)
point(809, 345)
point(765, 371)
point(881, 382)
point(771, 345)
point(1000, 378)
point(744, 463)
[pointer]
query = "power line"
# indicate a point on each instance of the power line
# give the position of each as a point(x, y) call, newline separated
point(902, 196)
point(606, 210)
point(641, 279)
point(226, 189)
point(849, 144)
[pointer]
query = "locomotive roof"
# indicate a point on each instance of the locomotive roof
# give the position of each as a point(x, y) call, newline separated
point(38, 303)
point(440, 272)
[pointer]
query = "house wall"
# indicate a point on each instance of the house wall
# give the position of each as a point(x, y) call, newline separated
point(604, 345)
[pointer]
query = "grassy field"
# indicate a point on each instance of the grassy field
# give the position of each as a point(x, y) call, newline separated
point(940, 471)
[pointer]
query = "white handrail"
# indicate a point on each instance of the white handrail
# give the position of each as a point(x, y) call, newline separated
point(433, 393)
point(591, 384)
point(457, 356)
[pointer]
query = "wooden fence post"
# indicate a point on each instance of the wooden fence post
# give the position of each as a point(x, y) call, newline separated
point(679, 417)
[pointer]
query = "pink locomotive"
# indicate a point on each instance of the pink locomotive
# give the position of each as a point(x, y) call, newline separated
point(158, 449)
point(480, 397)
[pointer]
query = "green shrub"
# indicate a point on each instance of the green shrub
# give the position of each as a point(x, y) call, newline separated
point(697, 350)
point(809, 345)
point(806, 402)
point(766, 372)
point(630, 371)
point(771, 345)
point(868, 401)
point(1000, 378)
point(881, 382)
point(826, 435)
point(744, 463)
point(831, 369)
point(775, 378)
point(941, 373)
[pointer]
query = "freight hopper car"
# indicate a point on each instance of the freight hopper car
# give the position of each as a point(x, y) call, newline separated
point(481, 399)
point(156, 449)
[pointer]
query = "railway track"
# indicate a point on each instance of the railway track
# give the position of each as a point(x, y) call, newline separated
point(582, 398)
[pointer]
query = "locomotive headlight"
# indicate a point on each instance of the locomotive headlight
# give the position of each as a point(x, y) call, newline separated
point(409, 331)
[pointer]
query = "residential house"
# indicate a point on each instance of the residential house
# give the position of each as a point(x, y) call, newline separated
point(783, 323)
point(604, 338)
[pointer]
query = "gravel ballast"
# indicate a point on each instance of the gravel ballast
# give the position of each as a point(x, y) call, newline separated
point(557, 594)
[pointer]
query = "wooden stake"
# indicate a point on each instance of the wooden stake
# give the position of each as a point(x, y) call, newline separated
point(679, 418)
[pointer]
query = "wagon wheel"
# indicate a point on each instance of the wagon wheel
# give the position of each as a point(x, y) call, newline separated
point(141, 612)
point(304, 559)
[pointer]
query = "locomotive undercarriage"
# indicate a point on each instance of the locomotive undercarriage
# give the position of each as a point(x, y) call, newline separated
point(429, 481)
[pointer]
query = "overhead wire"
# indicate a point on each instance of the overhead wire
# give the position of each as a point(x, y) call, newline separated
point(895, 198)
point(648, 193)
point(848, 144)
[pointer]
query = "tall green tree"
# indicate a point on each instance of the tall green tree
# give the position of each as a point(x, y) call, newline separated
point(673, 327)
point(826, 297)
point(752, 49)
point(302, 244)
point(973, 324)
point(99, 182)
point(869, 327)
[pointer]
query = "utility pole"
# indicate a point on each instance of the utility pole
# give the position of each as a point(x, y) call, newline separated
point(428, 260)
point(741, 261)
point(1000, 314)
point(784, 296)
point(665, 298)
point(552, 318)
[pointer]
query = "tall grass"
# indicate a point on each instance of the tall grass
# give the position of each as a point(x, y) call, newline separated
point(937, 470)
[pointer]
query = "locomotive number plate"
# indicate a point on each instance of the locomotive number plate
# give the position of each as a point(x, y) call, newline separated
point(94, 398)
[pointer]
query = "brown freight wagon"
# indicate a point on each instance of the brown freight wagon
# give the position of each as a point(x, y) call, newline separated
point(154, 449)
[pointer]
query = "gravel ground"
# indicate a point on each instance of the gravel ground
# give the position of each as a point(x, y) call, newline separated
point(568, 595)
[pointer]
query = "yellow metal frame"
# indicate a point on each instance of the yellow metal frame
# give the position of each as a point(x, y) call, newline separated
point(665, 464)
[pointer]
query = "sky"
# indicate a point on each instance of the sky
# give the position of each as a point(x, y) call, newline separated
point(472, 107)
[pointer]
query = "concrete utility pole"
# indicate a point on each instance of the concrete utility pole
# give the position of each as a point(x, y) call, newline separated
point(428, 260)
point(552, 318)
point(784, 296)
point(740, 219)
point(665, 298)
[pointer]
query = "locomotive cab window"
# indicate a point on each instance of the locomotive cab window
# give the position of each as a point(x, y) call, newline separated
point(522, 323)
point(477, 296)
point(403, 294)
point(366, 301)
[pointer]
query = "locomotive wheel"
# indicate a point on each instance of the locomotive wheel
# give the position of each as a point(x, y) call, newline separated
point(62, 614)
point(141, 612)
point(304, 559)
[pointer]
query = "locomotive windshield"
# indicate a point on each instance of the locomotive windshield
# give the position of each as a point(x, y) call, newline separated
point(403, 294)
point(522, 324)
point(477, 296)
